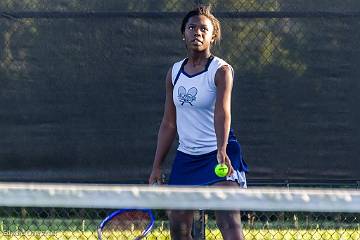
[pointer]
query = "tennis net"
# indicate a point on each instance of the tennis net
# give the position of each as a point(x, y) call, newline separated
point(75, 211)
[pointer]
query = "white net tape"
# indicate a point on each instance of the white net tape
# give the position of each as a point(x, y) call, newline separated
point(166, 197)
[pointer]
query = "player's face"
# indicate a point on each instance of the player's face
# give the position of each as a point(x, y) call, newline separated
point(199, 33)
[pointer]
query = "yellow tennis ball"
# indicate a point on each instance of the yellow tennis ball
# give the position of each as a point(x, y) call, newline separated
point(221, 170)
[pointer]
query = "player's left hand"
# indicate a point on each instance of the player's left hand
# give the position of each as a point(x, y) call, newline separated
point(223, 158)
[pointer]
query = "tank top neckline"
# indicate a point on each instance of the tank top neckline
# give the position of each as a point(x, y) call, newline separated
point(196, 74)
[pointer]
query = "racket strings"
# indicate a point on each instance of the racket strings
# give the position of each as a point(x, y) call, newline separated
point(127, 225)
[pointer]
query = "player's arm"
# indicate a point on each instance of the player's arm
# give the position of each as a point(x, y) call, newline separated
point(167, 132)
point(222, 116)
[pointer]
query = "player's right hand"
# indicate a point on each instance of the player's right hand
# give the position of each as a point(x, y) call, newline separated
point(155, 176)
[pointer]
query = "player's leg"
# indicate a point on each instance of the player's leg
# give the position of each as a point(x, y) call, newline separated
point(181, 224)
point(229, 222)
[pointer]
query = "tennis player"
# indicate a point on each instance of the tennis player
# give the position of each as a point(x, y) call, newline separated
point(197, 107)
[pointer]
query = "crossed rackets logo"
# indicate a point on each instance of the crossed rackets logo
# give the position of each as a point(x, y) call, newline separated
point(187, 97)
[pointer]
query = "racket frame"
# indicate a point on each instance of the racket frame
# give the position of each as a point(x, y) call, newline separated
point(120, 211)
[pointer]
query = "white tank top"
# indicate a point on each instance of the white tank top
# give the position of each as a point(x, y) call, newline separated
point(194, 97)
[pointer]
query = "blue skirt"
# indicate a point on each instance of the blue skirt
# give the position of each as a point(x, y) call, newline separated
point(199, 169)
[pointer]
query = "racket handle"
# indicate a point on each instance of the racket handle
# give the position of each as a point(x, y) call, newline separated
point(99, 234)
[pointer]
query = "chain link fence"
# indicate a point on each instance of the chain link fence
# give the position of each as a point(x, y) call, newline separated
point(66, 65)
point(59, 223)
point(74, 73)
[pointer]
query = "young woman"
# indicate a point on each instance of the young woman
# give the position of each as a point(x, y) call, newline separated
point(197, 107)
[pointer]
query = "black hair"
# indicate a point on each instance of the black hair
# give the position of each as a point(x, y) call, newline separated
point(205, 11)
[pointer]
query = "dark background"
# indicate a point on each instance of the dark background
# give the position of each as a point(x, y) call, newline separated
point(82, 87)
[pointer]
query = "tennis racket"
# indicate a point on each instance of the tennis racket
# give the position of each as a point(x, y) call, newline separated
point(126, 224)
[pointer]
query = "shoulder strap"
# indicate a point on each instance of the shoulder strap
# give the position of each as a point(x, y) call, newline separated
point(208, 62)
point(180, 70)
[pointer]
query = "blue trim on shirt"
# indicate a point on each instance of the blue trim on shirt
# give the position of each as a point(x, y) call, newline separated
point(181, 70)
point(196, 74)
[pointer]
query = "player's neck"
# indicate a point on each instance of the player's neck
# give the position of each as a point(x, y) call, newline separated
point(199, 58)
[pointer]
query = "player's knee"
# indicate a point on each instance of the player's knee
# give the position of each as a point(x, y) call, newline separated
point(223, 225)
point(180, 231)
point(180, 225)
point(231, 230)
point(229, 223)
